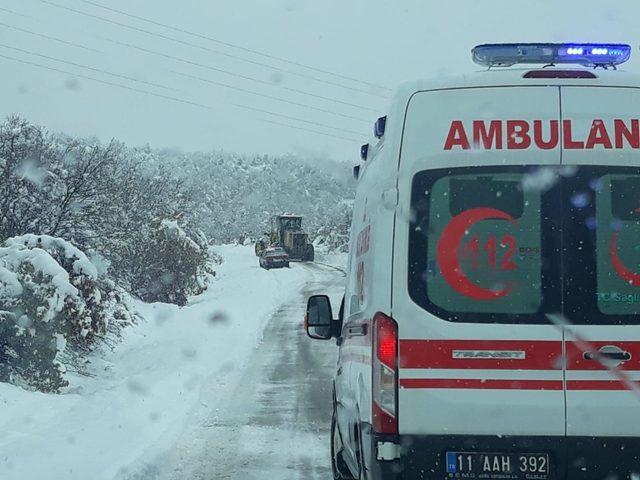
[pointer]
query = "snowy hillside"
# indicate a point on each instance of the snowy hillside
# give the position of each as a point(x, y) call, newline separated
point(236, 194)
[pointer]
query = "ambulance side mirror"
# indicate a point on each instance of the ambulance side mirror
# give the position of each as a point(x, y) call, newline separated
point(319, 318)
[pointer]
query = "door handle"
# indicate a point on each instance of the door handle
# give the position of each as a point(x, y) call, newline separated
point(610, 353)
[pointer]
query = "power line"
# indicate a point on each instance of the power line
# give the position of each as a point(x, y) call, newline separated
point(232, 45)
point(236, 75)
point(308, 130)
point(194, 45)
point(185, 61)
point(259, 110)
point(224, 85)
point(104, 82)
point(24, 15)
point(239, 89)
point(97, 70)
point(48, 37)
point(177, 99)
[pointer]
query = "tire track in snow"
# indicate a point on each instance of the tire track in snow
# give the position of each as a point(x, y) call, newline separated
point(275, 423)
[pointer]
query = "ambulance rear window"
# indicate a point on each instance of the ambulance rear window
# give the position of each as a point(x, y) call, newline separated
point(513, 244)
point(483, 244)
point(618, 244)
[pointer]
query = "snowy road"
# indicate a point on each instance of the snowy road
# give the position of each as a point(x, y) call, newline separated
point(228, 387)
point(274, 423)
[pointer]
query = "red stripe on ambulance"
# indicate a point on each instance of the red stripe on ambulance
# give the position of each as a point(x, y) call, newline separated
point(541, 134)
point(468, 354)
point(479, 384)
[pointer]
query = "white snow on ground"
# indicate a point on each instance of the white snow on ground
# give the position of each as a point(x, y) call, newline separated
point(146, 391)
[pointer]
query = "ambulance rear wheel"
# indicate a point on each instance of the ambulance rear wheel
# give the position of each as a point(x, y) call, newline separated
point(338, 466)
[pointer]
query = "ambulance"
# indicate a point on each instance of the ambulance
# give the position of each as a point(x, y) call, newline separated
point(490, 328)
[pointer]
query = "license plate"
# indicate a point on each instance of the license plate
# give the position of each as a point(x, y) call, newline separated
point(498, 466)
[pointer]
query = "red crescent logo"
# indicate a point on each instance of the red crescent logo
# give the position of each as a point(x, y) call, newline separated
point(449, 244)
point(624, 273)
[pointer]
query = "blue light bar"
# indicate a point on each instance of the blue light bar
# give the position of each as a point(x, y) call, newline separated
point(586, 54)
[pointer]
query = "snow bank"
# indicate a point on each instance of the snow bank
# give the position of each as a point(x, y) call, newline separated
point(149, 387)
point(338, 260)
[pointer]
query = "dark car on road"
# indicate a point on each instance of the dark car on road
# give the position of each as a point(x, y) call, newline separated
point(274, 258)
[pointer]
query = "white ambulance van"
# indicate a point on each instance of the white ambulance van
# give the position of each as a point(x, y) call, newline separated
point(491, 323)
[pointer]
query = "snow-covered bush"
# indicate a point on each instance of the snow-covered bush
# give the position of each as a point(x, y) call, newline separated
point(33, 293)
point(51, 298)
point(173, 265)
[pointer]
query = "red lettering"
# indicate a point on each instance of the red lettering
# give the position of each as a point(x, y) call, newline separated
point(490, 248)
point(362, 245)
point(471, 251)
point(488, 137)
point(623, 133)
point(569, 142)
point(457, 137)
point(510, 242)
point(360, 282)
point(554, 135)
point(518, 135)
point(598, 135)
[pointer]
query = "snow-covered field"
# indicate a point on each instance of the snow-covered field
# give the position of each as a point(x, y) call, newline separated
point(144, 392)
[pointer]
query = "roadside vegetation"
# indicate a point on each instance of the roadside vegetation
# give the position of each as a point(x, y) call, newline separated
point(87, 227)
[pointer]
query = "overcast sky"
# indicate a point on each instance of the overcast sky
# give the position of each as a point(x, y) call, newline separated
point(166, 88)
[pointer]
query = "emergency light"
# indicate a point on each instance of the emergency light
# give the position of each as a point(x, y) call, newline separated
point(380, 126)
point(364, 151)
point(586, 54)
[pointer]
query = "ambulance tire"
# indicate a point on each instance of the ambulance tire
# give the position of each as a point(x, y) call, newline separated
point(338, 466)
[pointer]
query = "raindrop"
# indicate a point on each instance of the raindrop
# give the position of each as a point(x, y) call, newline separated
point(72, 84)
point(137, 387)
point(616, 225)
point(217, 318)
point(596, 184)
point(277, 78)
point(189, 353)
point(580, 200)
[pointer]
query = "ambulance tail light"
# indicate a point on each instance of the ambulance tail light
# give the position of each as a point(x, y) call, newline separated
point(385, 375)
